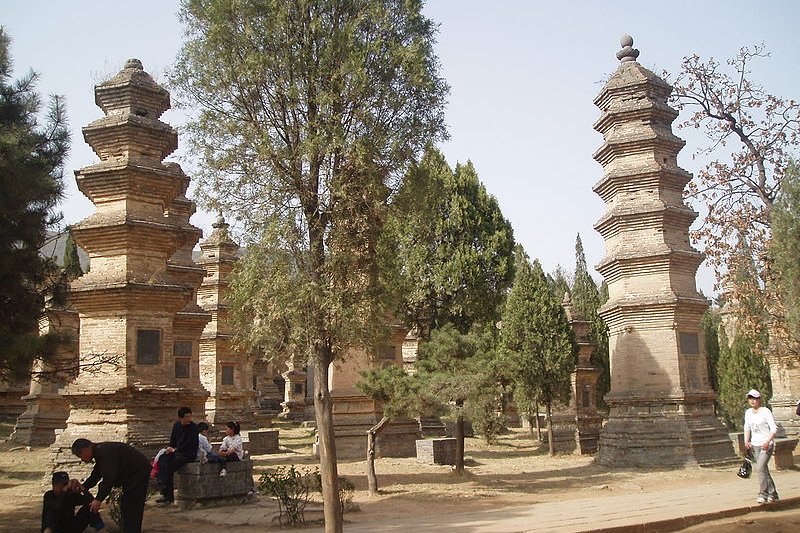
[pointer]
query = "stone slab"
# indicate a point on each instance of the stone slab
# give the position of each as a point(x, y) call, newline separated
point(263, 441)
point(441, 451)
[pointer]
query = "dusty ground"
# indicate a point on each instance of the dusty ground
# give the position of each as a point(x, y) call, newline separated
point(514, 471)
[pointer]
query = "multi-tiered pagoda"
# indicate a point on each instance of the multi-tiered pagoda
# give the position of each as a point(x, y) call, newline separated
point(139, 322)
point(661, 402)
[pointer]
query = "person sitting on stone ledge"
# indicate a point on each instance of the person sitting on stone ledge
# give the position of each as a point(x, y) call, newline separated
point(231, 449)
point(203, 446)
point(58, 508)
point(182, 449)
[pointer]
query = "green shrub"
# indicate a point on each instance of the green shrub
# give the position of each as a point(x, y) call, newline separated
point(292, 488)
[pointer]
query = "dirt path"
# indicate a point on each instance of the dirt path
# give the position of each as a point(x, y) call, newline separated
point(515, 471)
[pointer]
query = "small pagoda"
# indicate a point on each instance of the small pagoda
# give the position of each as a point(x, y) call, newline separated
point(226, 373)
point(661, 403)
point(139, 323)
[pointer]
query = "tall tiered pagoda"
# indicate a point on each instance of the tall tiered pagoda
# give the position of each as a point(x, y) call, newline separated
point(661, 402)
point(136, 304)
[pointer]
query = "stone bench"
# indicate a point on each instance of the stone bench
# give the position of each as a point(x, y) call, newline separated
point(200, 484)
point(782, 458)
point(263, 441)
point(440, 451)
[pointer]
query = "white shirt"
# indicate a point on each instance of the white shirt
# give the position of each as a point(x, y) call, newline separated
point(760, 424)
point(203, 446)
point(233, 444)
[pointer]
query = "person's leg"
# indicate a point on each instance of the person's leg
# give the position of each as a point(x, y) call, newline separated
point(762, 469)
point(771, 491)
point(165, 471)
point(132, 506)
point(80, 521)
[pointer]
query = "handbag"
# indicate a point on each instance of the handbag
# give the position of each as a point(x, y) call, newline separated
point(746, 467)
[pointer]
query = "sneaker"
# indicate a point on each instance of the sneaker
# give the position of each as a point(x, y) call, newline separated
point(773, 498)
point(761, 499)
point(223, 473)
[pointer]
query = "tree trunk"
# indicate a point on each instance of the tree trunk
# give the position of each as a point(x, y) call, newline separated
point(459, 434)
point(323, 409)
point(372, 437)
point(538, 425)
point(550, 442)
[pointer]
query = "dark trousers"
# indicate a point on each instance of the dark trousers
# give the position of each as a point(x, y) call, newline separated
point(214, 458)
point(131, 504)
point(167, 465)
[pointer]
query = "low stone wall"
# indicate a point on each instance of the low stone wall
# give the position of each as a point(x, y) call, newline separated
point(783, 456)
point(263, 441)
point(437, 451)
point(200, 484)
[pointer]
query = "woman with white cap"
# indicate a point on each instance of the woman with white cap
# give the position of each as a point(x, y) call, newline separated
point(759, 436)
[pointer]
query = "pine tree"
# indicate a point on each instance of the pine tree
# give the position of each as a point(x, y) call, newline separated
point(541, 341)
point(31, 158)
point(586, 301)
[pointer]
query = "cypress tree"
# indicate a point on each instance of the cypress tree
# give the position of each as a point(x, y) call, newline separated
point(741, 368)
point(785, 248)
point(541, 341)
point(586, 301)
point(72, 263)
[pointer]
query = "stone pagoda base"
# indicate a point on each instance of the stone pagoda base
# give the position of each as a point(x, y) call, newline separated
point(659, 434)
point(577, 435)
point(141, 417)
point(46, 413)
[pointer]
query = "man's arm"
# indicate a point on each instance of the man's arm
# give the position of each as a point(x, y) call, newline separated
point(93, 478)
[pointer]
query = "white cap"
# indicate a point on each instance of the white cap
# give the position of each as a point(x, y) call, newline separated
point(753, 394)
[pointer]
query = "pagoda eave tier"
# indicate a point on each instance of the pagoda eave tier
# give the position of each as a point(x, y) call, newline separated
point(653, 311)
point(191, 320)
point(191, 274)
point(632, 111)
point(642, 262)
point(128, 296)
point(635, 217)
point(638, 142)
point(651, 175)
point(127, 235)
point(632, 81)
point(124, 178)
point(117, 135)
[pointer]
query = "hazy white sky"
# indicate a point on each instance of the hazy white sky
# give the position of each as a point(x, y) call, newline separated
point(522, 73)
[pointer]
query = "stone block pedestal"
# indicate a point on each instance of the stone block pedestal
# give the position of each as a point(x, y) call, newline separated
point(200, 484)
point(437, 451)
point(263, 441)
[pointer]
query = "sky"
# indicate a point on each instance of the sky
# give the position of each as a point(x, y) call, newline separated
point(522, 74)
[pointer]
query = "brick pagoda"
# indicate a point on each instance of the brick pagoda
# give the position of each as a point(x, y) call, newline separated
point(136, 303)
point(226, 373)
point(661, 403)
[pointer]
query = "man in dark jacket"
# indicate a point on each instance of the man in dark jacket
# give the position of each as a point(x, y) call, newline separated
point(58, 508)
point(182, 449)
point(117, 464)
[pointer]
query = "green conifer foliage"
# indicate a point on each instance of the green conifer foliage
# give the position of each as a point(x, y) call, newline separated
point(785, 248)
point(741, 368)
point(452, 246)
point(710, 324)
point(541, 341)
point(72, 263)
point(31, 157)
point(586, 301)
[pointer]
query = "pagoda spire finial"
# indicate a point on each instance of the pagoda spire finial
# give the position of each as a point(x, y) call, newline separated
point(628, 52)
